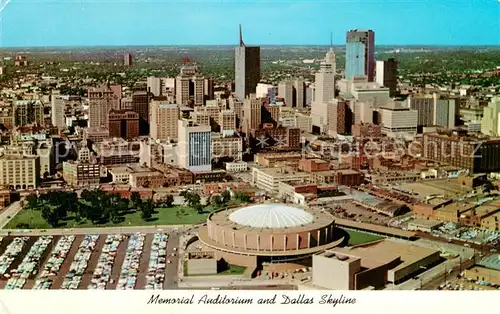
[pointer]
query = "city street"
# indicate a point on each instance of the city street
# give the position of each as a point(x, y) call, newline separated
point(171, 276)
point(8, 213)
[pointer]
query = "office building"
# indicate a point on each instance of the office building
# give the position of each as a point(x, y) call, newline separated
point(79, 174)
point(387, 75)
point(123, 123)
point(28, 112)
point(293, 92)
point(252, 112)
point(324, 92)
point(101, 100)
point(227, 147)
point(164, 118)
point(491, 114)
point(445, 112)
point(360, 54)
point(140, 104)
point(195, 146)
point(476, 154)
point(189, 87)
point(398, 121)
point(339, 117)
point(117, 151)
point(246, 69)
point(285, 91)
point(262, 90)
point(271, 113)
point(57, 110)
point(19, 172)
point(362, 111)
point(424, 104)
point(155, 85)
point(271, 138)
point(128, 60)
point(227, 122)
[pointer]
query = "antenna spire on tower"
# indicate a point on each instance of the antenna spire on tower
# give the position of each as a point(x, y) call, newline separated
point(331, 41)
point(242, 44)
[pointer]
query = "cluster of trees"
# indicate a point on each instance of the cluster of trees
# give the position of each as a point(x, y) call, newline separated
point(97, 206)
point(193, 200)
point(225, 198)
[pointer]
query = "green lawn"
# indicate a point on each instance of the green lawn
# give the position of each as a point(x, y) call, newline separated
point(177, 215)
point(357, 237)
point(231, 270)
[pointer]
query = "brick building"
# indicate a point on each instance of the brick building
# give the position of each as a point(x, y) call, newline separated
point(123, 123)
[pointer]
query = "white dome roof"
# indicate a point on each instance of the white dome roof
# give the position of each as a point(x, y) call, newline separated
point(271, 216)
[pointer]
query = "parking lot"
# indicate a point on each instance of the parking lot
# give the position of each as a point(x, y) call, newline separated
point(102, 262)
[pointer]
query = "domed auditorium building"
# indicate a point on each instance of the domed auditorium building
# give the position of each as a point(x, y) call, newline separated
point(269, 233)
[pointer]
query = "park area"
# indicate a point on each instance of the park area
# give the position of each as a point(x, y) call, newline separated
point(176, 215)
point(357, 237)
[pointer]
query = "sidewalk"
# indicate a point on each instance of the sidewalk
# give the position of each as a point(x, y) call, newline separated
point(96, 230)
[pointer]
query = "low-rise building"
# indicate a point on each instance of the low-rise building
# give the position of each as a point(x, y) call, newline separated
point(80, 174)
point(239, 166)
point(268, 179)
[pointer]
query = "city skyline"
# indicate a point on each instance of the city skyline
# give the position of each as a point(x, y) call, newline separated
point(135, 23)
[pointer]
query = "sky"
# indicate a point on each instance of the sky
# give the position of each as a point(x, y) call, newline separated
point(47, 23)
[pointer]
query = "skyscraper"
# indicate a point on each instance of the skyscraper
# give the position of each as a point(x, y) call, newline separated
point(252, 113)
point(28, 112)
point(324, 91)
point(163, 121)
point(360, 54)
point(246, 69)
point(57, 110)
point(195, 146)
point(140, 104)
point(128, 60)
point(190, 87)
point(285, 90)
point(123, 123)
point(490, 123)
point(101, 100)
point(387, 75)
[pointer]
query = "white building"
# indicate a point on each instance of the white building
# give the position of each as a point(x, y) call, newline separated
point(398, 121)
point(491, 114)
point(445, 111)
point(195, 146)
point(263, 89)
point(239, 166)
point(57, 110)
point(324, 92)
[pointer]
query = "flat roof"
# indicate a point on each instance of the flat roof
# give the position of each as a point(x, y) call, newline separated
point(374, 228)
point(383, 251)
point(425, 222)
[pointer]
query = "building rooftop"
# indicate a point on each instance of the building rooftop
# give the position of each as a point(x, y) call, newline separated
point(271, 216)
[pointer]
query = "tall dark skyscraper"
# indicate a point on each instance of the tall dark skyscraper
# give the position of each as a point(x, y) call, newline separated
point(246, 68)
point(360, 53)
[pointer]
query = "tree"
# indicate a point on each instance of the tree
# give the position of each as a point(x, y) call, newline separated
point(169, 200)
point(193, 199)
point(147, 209)
point(244, 197)
point(32, 201)
point(198, 208)
point(226, 196)
point(135, 199)
point(50, 215)
point(217, 200)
